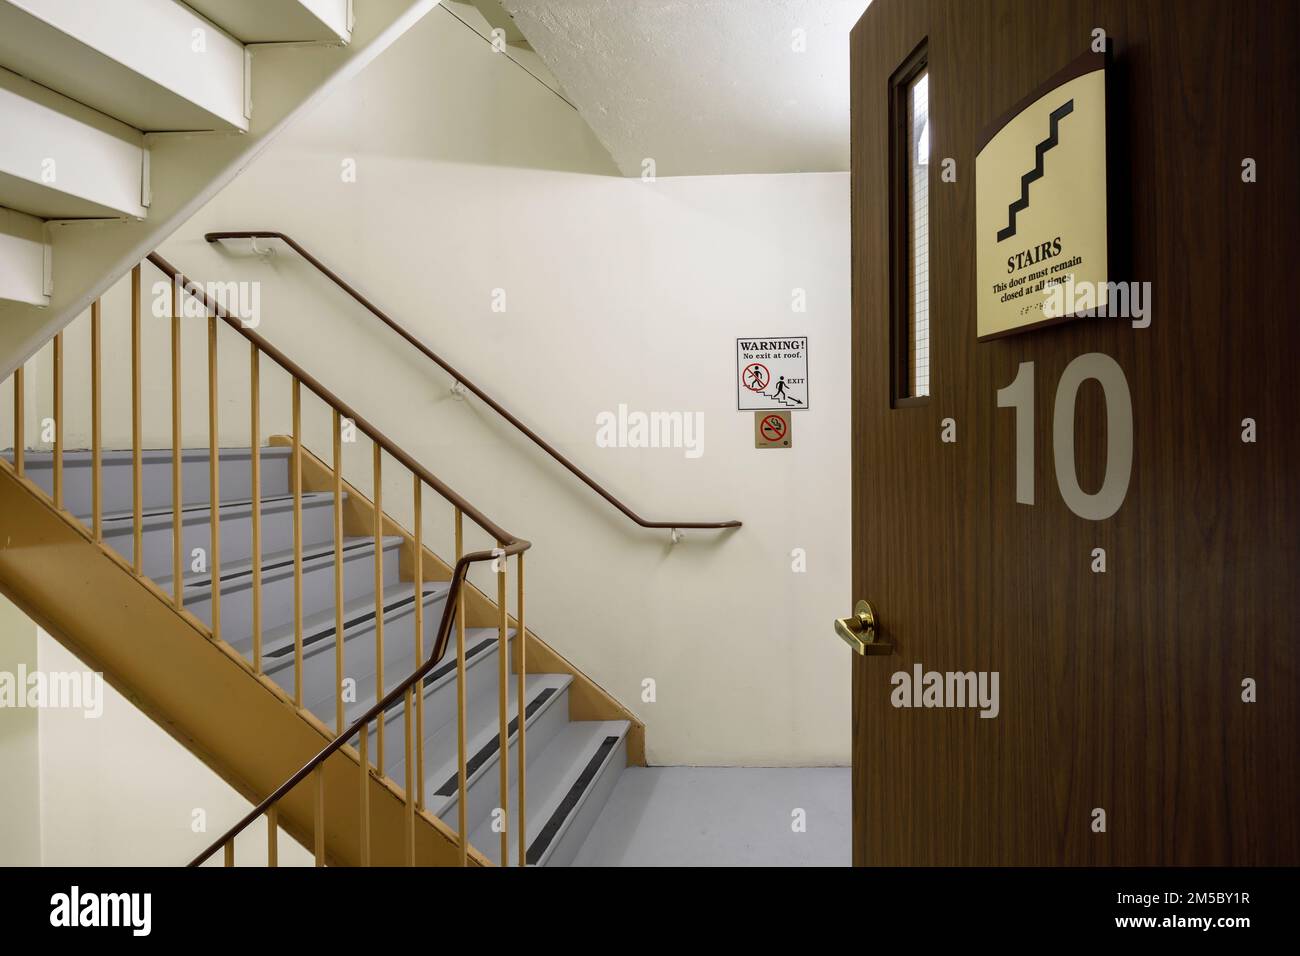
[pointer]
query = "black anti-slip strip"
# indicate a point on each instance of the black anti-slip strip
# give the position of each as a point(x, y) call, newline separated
point(450, 666)
point(193, 508)
point(537, 849)
point(484, 755)
point(328, 629)
point(286, 563)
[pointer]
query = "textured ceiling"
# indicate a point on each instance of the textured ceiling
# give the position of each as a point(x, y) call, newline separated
point(703, 86)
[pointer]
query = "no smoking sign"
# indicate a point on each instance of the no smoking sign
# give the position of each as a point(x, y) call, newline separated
point(772, 429)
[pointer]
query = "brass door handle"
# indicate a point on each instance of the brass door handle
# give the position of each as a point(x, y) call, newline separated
point(859, 631)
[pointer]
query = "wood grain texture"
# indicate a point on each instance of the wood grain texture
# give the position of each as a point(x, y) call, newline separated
point(1119, 690)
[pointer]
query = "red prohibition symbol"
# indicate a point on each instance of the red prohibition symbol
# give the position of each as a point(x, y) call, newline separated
point(755, 376)
point(772, 428)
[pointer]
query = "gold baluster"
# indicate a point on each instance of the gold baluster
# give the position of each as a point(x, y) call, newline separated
point(338, 572)
point(503, 704)
point(407, 709)
point(320, 815)
point(365, 794)
point(272, 836)
point(461, 772)
point(230, 852)
point(20, 440)
point(214, 478)
point(58, 420)
point(96, 429)
point(379, 604)
point(137, 456)
point(520, 677)
point(297, 542)
point(419, 640)
point(178, 567)
point(255, 442)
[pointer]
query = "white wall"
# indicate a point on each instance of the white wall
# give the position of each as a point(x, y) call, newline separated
point(472, 176)
point(117, 790)
point(107, 790)
point(186, 168)
point(20, 769)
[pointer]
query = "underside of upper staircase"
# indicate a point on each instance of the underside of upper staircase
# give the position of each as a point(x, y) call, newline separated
point(121, 119)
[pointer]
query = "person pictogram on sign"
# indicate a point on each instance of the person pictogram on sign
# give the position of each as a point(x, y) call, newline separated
point(755, 377)
point(781, 396)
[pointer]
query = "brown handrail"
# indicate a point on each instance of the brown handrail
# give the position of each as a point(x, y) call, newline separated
point(329, 398)
point(440, 647)
point(508, 545)
point(461, 379)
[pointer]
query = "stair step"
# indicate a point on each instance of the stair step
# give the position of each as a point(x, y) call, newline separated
point(358, 618)
point(137, 61)
point(482, 645)
point(236, 530)
point(278, 583)
point(234, 477)
point(319, 662)
point(480, 648)
point(568, 784)
point(40, 126)
point(546, 713)
point(572, 766)
point(278, 21)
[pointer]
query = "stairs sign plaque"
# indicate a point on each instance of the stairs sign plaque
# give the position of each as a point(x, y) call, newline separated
point(772, 373)
point(1040, 206)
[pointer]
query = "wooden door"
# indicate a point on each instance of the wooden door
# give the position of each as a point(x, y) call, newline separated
point(1121, 690)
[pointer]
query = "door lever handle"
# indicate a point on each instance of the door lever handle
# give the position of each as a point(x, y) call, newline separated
point(859, 631)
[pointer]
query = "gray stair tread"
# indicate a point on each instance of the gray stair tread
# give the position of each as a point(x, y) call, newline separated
point(235, 506)
point(482, 726)
point(358, 617)
point(322, 555)
point(572, 761)
point(552, 774)
point(480, 643)
point(120, 455)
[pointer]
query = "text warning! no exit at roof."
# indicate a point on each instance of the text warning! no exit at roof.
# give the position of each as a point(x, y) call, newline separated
point(771, 373)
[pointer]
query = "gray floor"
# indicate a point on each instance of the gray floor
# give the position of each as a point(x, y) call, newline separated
point(723, 816)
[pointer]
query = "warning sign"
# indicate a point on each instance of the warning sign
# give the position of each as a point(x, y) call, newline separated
point(771, 373)
point(771, 429)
